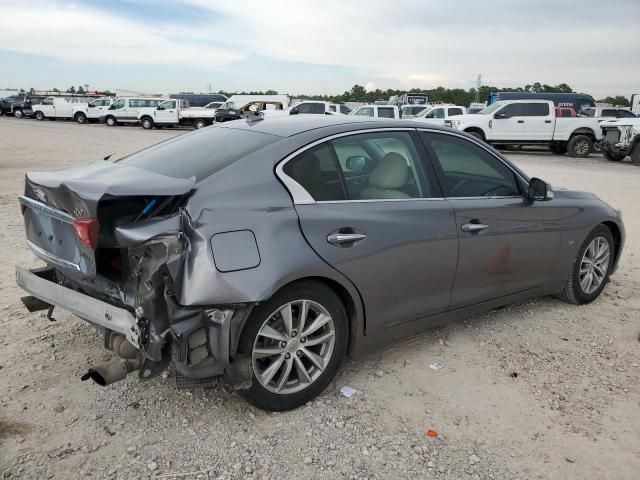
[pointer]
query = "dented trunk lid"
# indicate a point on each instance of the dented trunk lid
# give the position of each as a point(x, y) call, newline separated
point(63, 208)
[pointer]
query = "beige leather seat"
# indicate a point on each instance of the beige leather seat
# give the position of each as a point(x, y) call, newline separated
point(388, 176)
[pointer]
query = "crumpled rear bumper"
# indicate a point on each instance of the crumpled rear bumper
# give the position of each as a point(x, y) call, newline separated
point(39, 284)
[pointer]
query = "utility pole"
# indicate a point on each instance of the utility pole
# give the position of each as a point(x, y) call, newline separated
point(478, 85)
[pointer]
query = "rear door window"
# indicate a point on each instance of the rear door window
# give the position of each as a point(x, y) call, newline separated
point(365, 112)
point(386, 112)
point(537, 109)
point(455, 111)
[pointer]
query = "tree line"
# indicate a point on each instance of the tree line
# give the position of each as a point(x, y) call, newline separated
point(457, 96)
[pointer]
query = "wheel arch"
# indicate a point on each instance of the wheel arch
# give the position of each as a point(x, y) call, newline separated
point(476, 130)
point(615, 230)
point(349, 298)
point(584, 131)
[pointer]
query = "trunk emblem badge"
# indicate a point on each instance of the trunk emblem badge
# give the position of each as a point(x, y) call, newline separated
point(78, 212)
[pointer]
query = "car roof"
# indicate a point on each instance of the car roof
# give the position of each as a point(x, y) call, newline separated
point(287, 126)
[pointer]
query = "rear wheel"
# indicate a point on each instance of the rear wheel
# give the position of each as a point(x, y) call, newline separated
point(591, 269)
point(111, 121)
point(39, 116)
point(81, 117)
point(580, 146)
point(200, 124)
point(297, 341)
point(147, 123)
point(635, 154)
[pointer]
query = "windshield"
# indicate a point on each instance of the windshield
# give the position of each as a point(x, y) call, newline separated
point(201, 153)
point(228, 106)
point(490, 109)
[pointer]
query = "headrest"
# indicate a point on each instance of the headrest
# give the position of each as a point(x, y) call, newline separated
point(391, 172)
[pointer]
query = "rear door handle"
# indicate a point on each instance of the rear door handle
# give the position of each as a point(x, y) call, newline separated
point(474, 227)
point(342, 239)
point(547, 121)
point(520, 121)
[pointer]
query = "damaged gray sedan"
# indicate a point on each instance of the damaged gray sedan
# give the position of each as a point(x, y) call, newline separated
point(264, 252)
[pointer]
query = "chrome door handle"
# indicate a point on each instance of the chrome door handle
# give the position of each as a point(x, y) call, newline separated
point(338, 238)
point(474, 227)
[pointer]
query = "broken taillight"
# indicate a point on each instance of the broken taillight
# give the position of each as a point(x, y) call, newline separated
point(87, 231)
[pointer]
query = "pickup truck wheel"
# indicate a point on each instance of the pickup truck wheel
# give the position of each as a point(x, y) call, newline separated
point(200, 124)
point(81, 117)
point(18, 113)
point(635, 154)
point(39, 116)
point(558, 149)
point(147, 123)
point(296, 341)
point(111, 121)
point(580, 146)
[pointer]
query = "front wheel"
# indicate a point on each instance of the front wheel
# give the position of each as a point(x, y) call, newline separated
point(591, 268)
point(297, 341)
point(580, 146)
point(18, 113)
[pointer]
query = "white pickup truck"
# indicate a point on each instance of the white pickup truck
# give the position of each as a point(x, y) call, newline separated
point(531, 122)
point(176, 112)
point(86, 112)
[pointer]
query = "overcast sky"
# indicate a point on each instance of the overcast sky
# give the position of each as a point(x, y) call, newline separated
point(310, 46)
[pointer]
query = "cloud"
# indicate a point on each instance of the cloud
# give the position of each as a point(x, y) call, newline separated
point(370, 86)
point(405, 43)
point(81, 34)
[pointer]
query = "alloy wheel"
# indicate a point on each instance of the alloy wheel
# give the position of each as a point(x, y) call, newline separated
point(594, 265)
point(293, 347)
point(582, 147)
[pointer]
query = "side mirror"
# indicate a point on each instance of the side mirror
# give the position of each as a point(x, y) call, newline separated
point(159, 108)
point(539, 191)
point(294, 111)
point(500, 115)
point(357, 163)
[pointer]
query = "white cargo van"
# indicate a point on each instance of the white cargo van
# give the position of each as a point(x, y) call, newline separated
point(57, 107)
point(91, 111)
point(127, 109)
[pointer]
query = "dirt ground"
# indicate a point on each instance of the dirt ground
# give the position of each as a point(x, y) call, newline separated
point(538, 390)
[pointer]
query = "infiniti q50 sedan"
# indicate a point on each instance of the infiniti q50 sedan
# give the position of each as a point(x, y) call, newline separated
point(261, 253)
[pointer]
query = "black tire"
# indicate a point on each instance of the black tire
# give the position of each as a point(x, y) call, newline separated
point(80, 117)
point(18, 113)
point(572, 291)
point(635, 154)
point(558, 149)
point(613, 157)
point(147, 123)
point(257, 394)
point(39, 116)
point(200, 124)
point(111, 121)
point(580, 146)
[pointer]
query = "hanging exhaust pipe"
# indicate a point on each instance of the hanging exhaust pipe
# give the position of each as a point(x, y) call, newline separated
point(108, 373)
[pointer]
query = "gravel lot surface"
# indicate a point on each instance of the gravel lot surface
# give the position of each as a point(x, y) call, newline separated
point(533, 391)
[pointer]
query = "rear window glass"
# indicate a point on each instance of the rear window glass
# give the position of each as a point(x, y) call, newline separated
point(200, 153)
